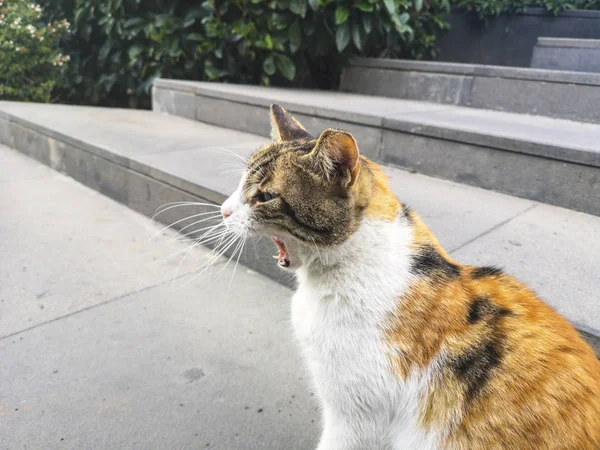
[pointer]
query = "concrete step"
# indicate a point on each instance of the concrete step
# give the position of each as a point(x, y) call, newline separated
point(145, 160)
point(549, 160)
point(553, 93)
point(579, 55)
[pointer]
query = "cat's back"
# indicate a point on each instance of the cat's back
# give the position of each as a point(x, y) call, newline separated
point(513, 373)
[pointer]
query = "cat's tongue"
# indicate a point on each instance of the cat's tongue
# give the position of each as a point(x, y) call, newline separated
point(284, 260)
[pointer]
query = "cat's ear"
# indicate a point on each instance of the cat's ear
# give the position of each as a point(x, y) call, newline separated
point(336, 156)
point(284, 127)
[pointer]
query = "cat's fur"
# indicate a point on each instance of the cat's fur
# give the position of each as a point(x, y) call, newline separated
point(408, 348)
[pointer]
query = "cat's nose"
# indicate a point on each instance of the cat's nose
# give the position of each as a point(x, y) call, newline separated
point(226, 212)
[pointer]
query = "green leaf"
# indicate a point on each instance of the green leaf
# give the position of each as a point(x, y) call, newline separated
point(404, 17)
point(357, 36)
point(365, 7)
point(342, 37)
point(134, 21)
point(390, 5)
point(298, 7)
point(303, 8)
point(286, 66)
point(135, 51)
point(341, 15)
point(104, 50)
point(161, 19)
point(268, 42)
point(188, 21)
point(269, 65)
point(314, 4)
point(295, 35)
point(367, 21)
point(195, 37)
point(418, 5)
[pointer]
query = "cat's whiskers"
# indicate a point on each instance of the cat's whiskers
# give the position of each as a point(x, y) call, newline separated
point(233, 253)
point(213, 217)
point(236, 263)
point(167, 206)
point(213, 256)
point(199, 229)
point(204, 240)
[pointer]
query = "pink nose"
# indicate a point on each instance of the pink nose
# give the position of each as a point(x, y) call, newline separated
point(226, 212)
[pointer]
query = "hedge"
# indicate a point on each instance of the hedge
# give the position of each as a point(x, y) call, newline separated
point(31, 62)
point(118, 47)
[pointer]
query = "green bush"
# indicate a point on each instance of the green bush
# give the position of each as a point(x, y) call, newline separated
point(31, 63)
point(120, 46)
point(486, 9)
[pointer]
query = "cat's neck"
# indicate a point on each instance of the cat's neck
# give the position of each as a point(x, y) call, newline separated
point(377, 255)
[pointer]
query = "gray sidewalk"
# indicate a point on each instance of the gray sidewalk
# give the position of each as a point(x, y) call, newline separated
point(101, 350)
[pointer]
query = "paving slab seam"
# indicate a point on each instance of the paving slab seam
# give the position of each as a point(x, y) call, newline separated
point(494, 228)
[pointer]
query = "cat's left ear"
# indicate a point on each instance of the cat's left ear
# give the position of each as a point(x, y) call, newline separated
point(336, 156)
point(285, 127)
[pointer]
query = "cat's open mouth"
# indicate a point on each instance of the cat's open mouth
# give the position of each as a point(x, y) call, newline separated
point(283, 257)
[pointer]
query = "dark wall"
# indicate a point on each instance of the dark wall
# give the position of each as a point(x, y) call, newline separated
point(508, 40)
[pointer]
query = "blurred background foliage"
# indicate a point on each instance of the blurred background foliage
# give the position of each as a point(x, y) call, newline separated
point(31, 62)
point(118, 47)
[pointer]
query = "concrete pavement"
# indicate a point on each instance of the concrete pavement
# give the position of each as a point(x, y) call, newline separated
point(100, 349)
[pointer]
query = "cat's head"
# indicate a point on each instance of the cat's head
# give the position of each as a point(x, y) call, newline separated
point(302, 191)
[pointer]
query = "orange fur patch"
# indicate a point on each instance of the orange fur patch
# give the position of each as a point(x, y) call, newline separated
point(382, 203)
point(513, 374)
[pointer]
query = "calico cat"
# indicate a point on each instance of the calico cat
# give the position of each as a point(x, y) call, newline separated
point(408, 348)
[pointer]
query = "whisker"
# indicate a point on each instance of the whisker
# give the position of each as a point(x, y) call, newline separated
point(215, 216)
point(236, 264)
point(200, 221)
point(196, 242)
point(170, 205)
point(242, 158)
point(229, 260)
point(204, 267)
point(206, 256)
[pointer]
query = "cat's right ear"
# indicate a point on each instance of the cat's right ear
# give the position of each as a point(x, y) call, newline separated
point(285, 127)
point(336, 156)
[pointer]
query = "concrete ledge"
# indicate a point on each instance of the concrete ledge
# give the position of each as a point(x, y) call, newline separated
point(145, 160)
point(552, 93)
point(391, 130)
point(568, 42)
point(582, 55)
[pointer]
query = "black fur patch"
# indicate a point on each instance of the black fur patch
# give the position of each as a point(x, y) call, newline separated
point(486, 271)
point(482, 307)
point(429, 263)
point(475, 367)
point(406, 214)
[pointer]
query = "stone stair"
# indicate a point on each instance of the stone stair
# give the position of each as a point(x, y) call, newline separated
point(555, 161)
point(145, 160)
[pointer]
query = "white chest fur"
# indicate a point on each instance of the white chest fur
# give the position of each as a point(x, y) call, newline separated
point(339, 313)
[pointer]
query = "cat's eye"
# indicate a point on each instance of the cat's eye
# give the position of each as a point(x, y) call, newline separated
point(263, 197)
